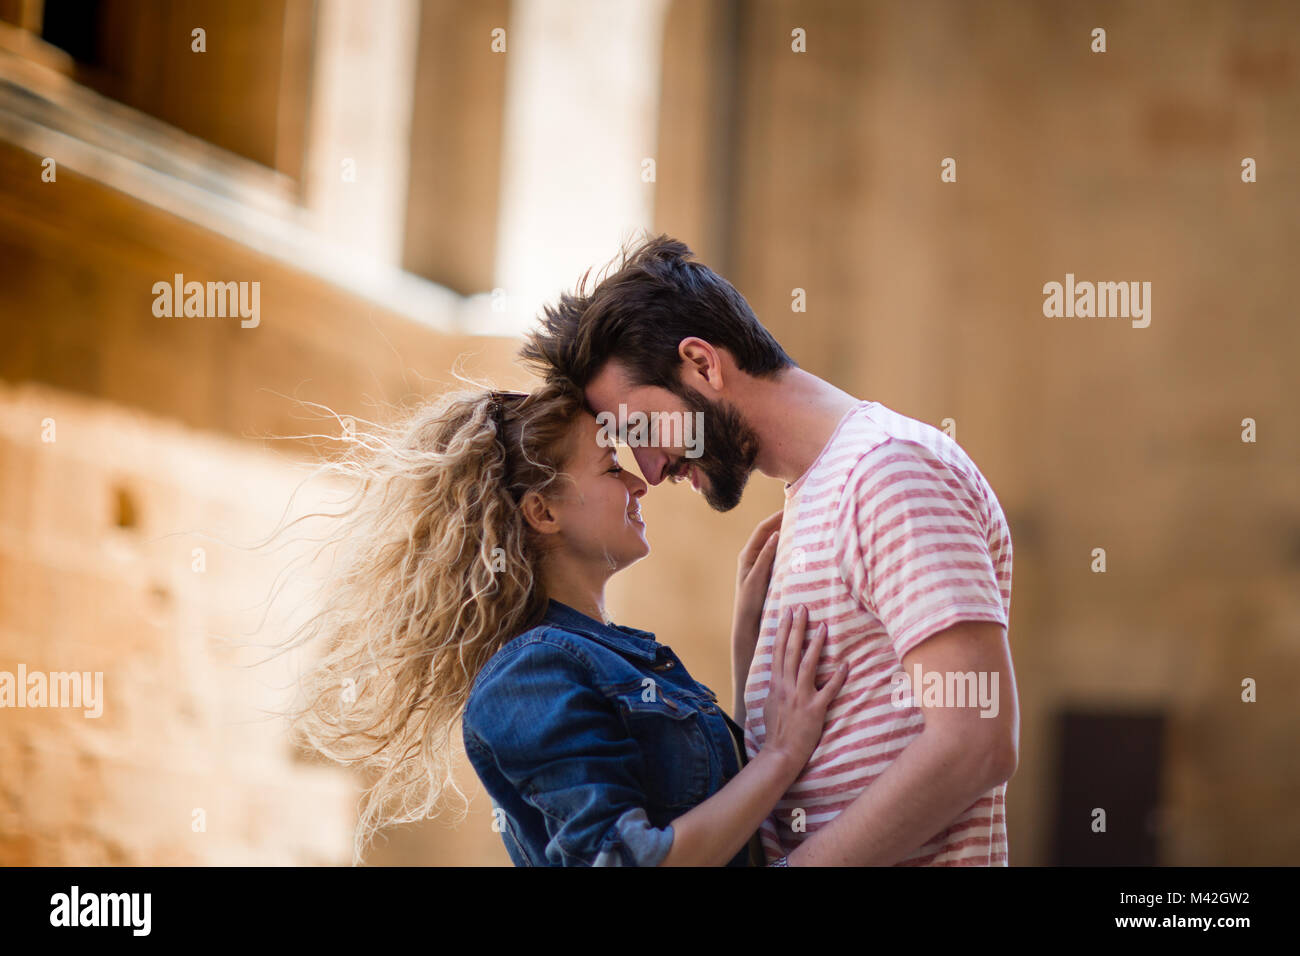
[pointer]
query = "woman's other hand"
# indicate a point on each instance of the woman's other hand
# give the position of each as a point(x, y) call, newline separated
point(753, 571)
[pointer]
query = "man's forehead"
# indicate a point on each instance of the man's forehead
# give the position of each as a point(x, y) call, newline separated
point(614, 373)
point(610, 385)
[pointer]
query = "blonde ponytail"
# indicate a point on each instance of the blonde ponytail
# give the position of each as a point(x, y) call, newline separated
point(436, 570)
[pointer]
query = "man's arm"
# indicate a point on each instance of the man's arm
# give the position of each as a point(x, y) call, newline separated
point(958, 757)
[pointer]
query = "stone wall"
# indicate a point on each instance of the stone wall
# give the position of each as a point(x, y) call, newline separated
point(927, 296)
point(118, 556)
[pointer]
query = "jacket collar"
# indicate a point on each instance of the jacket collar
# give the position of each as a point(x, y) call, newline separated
point(626, 640)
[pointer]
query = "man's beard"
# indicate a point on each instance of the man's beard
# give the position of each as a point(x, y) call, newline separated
point(728, 447)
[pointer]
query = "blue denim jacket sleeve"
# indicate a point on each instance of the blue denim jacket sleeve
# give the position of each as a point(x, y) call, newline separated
point(561, 744)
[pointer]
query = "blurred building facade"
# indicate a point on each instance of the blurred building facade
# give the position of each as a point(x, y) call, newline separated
point(406, 180)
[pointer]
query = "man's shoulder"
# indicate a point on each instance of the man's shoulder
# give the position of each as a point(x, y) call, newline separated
point(879, 442)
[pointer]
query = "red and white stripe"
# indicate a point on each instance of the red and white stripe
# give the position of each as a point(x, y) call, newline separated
point(901, 537)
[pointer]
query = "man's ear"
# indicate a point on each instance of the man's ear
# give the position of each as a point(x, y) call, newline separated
point(703, 363)
point(537, 512)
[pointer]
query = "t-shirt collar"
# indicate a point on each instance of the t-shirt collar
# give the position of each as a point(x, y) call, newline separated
point(792, 488)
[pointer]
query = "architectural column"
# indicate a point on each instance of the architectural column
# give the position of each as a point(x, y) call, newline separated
point(360, 127)
point(578, 168)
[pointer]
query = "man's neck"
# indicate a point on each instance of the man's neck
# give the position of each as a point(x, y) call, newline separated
point(794, 416)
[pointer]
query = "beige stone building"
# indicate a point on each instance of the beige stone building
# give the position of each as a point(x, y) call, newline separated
point(890, 184)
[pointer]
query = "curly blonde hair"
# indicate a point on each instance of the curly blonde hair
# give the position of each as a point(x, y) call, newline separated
point(435, 569)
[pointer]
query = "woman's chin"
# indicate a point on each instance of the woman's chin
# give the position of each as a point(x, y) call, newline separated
point(642, 546)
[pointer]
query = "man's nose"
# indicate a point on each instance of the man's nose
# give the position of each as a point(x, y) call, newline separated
point(652, 462)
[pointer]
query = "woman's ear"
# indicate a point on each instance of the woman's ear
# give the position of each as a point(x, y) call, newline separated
point(537, 512)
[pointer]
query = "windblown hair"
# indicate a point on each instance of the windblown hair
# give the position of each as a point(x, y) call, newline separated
point(435, 569)
point(650, 298)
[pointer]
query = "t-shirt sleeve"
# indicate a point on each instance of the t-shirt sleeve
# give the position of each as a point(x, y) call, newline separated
point(912, 543)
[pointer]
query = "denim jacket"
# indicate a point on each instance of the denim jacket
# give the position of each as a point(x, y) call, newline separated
point(590, 739)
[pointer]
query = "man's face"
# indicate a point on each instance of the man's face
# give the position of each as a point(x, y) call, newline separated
point(709, 443)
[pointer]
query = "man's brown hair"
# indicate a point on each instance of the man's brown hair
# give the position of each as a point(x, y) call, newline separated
point(638, 313)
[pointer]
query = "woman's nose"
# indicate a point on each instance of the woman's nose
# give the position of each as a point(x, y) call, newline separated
point(636, 486)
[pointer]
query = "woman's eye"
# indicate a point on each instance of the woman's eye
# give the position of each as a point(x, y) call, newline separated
point(616, 469)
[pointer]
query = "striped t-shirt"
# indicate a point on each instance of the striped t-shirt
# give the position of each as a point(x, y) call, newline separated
point(891, 535)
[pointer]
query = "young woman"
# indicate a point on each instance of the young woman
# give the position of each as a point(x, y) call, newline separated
point(472, 593)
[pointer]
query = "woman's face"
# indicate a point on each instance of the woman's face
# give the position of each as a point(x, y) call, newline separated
point(598, 506)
